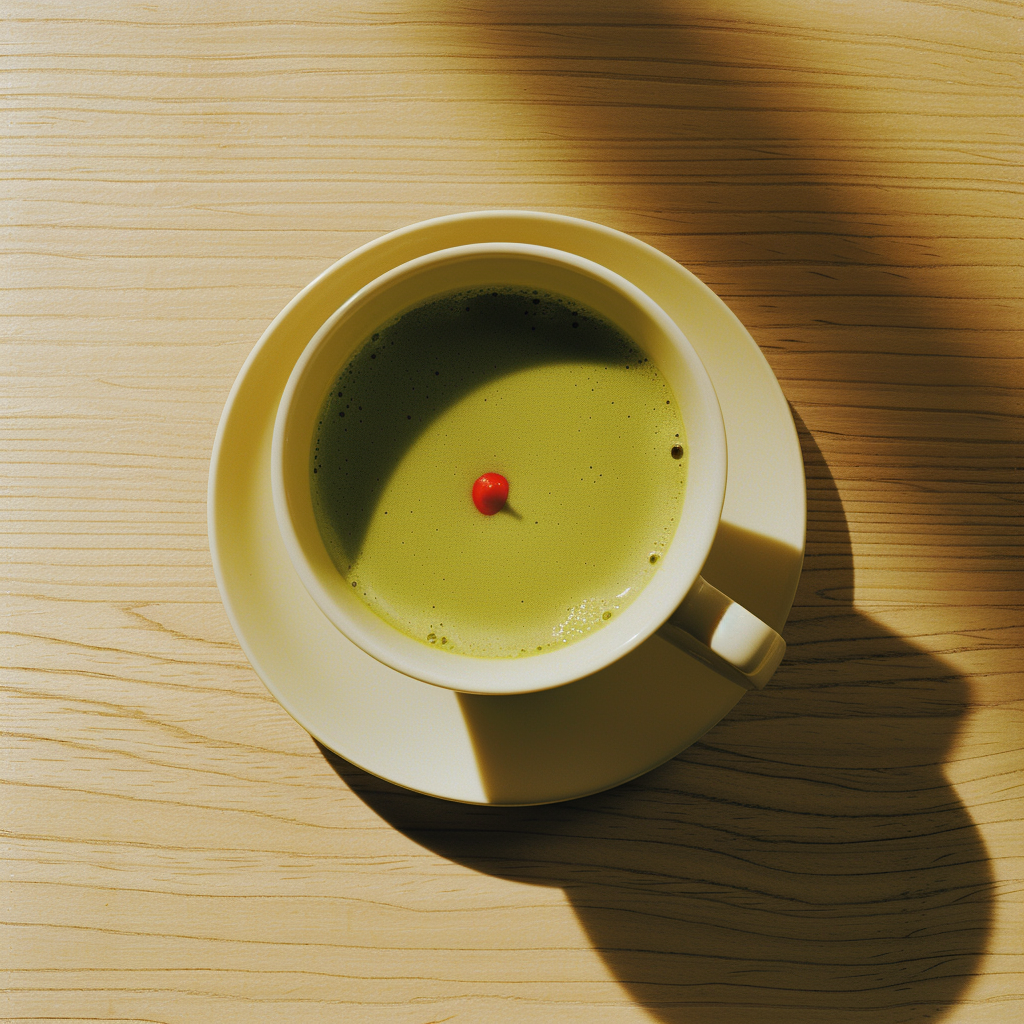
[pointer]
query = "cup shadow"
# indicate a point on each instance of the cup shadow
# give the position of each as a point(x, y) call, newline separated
point(807, 861)
point(638, 712)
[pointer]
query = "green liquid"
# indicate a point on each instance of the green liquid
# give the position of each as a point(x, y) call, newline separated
point(520, 383)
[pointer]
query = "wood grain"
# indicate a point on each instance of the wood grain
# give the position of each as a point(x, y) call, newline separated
point(846, 846)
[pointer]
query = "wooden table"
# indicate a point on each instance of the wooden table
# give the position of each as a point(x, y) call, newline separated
point(844, 847)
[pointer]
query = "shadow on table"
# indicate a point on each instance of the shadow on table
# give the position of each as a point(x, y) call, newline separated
point(807, 861)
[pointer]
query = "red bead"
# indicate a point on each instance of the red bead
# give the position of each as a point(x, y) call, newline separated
point(490, 493)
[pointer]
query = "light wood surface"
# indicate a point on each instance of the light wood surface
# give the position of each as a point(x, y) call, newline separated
point(846, 846)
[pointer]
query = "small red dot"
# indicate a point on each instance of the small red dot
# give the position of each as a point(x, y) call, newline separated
point(490, 492)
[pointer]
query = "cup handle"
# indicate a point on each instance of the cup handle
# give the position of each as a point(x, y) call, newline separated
point(749, 648)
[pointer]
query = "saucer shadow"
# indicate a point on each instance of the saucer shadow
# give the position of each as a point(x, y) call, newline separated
point(807, 862)
point(636, 713)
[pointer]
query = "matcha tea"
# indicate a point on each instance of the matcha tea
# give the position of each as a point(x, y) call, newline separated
point(516, 382)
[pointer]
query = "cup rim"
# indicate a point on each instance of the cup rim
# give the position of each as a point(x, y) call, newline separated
point(467, 673)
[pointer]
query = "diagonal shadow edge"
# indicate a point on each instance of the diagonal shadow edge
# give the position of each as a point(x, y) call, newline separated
point(807, 861)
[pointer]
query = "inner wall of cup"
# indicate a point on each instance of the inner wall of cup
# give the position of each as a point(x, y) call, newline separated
point(380, 302)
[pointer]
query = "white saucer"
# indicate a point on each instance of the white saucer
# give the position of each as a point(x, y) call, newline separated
point(532, 748)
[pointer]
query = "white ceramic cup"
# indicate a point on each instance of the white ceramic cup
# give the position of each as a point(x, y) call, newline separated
point(676, 596)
